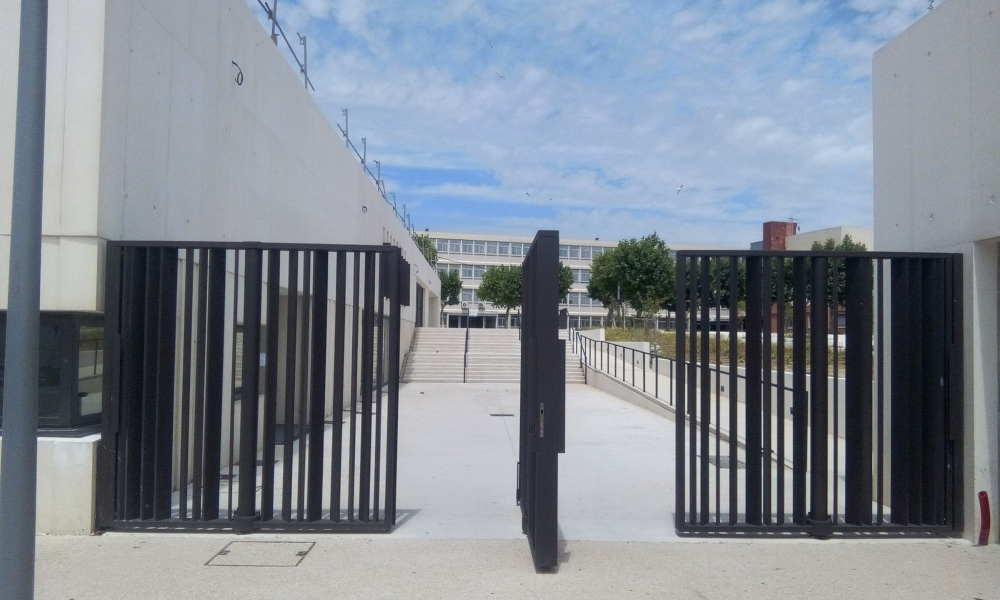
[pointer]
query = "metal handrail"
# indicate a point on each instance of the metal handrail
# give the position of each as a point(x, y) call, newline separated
point(598, 363)
point(465, 357)
point(303, 65)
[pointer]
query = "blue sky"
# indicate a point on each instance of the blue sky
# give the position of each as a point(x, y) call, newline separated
point(609, 118)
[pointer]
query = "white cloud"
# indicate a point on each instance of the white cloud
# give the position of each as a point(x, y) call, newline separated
point(760, 110)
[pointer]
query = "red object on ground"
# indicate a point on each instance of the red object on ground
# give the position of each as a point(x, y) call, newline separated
point(984, 527)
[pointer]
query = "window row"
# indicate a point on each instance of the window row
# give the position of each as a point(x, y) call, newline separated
point(581, 299)
point(484, 247)
point(581, 252)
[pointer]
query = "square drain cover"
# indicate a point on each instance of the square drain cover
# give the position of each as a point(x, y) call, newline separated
point(261, 554)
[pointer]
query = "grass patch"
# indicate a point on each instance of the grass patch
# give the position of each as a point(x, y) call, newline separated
point(666, 341)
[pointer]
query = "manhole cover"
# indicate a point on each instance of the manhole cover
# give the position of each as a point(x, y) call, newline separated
point(261, 554)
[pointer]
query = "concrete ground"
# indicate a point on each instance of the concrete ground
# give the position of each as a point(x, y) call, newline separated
point(459, 535)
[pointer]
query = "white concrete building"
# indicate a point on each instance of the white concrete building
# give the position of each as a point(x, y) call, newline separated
point(937, 182)
point(470, 254)
point(150, 135)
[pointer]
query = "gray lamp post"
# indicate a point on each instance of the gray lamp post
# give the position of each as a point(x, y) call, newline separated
point(20, 400)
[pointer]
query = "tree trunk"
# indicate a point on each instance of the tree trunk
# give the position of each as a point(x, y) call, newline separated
point(507, 321)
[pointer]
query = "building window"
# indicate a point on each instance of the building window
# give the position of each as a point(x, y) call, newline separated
point(585, 252)
point(503, 248)
point(442, 245)
point(502, 321)
point(596, 303)
point(466, 295)
point(466, 271)
point(574, 322)
point(480, 247)
point(563, 251)
point(455, 246)
point(576, 275)
point(442, 269)
point(480, 270)
point(515, 249)
point(574, 252)
point(70, 370)
point(597, 251)
point(584, 299)
point(466, 246)
point(574, 298)
point(584, 276)
point(491, 248)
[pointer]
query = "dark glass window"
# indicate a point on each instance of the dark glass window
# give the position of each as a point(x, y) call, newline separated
point(70, 369)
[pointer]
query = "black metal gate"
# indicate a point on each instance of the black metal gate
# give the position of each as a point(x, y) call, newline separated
point(543, 398)
point(845, 417)
point(223, 406)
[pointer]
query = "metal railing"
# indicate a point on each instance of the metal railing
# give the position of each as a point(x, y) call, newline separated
point(465, 356)
point(303, 64)
point(604, 356)
point(872, 453)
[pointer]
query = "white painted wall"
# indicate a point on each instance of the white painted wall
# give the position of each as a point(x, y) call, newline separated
point(66, 490)
point(936, 92)
point(149, 137)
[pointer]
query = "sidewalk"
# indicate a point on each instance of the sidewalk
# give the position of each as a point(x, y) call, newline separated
point(459, 534)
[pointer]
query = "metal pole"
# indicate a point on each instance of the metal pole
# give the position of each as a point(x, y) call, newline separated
point(347, 129)
point(305, 61)
point(274, 23)
point(20, 408)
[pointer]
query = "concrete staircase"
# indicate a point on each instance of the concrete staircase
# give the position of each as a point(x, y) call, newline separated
point(494, 357)
point(574, 372)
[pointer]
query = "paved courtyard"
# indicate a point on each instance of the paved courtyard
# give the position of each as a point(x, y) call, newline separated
point(460, 537)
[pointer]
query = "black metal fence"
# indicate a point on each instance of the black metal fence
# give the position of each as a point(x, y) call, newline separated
point(543, 396)
point(867, 437)
point(224, 408)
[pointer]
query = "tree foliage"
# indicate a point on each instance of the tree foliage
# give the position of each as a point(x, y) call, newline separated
point(451, 288)
point(501, 286)
point(426, 246)
point(565, 281)
point(648, 274)
point(846, 245)
point(638, 273)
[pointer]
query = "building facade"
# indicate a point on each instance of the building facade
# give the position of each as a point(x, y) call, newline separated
point(785, 235)
point(470, 255)
point(936, 91)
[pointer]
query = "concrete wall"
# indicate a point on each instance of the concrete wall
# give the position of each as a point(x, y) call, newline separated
point(148, 136)
point(67, 472)
point(936, 93)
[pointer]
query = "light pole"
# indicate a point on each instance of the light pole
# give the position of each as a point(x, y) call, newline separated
point(19, 459)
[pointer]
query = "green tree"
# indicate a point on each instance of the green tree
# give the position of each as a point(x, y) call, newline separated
point(831, 245)
point(501, 286)
point(565, 281)
point(647, 274)
point(426, 246)
point(605, 284)
point(451, 289)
